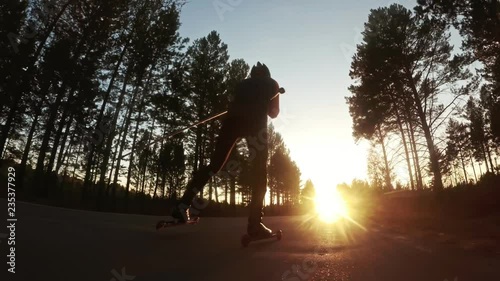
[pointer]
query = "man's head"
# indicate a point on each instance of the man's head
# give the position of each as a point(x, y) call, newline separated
point(260, 70)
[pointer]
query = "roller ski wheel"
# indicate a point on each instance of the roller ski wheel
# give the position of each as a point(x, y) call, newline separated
point(171, 223)
point(246, 239)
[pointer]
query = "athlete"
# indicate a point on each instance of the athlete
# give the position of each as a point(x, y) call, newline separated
point(255, 98)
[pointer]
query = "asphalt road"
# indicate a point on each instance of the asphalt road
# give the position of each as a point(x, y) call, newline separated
point(59, 244)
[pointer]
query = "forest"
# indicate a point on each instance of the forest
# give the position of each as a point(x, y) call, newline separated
point(95, 99)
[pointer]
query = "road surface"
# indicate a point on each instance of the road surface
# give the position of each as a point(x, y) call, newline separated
point(60, 244)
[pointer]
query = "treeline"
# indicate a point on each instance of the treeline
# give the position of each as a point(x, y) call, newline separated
point(431, 119)
point(95, 95)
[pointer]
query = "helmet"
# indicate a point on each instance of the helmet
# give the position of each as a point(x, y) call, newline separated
point(260, 70)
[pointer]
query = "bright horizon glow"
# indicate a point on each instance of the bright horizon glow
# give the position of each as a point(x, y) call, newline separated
point(330, 205)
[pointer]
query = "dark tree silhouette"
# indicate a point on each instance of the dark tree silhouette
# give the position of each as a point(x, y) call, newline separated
point(398, 70)
point(478, 23)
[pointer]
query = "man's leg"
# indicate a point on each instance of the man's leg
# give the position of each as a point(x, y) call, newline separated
point(258, 146)
point(224, 145)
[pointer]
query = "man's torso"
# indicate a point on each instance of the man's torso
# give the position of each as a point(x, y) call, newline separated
point(251, 98)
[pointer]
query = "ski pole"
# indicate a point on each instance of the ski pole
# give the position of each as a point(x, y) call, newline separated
point(280, 91)
point(181, 130)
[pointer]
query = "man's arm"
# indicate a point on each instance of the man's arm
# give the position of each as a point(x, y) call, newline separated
point(274, 105)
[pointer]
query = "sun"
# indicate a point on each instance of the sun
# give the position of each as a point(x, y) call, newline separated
point(330, 206)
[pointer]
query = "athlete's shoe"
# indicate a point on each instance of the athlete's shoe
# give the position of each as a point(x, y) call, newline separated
point(258, 231)
point(180, 215)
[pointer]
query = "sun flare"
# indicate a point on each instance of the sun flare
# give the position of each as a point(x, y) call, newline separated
point(330, 206)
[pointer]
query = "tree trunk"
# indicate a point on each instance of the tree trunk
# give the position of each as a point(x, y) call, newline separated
point(225, 190)
point(49, 126)
point(388, 182)
point(134, 140)
point(158, 178)
point(416, 158)
point(197, 148)
point(27, 148)
point(57, 139)
point(65, 156)
point(488, 152)
point(473, 166)
point(433, 153)
point(215, 191)
point(136, 130)
point(463, 167)
point(407, 155)
point(39, 180)
point(60, 159)
point(115, 154)
point(485, 157)
point(125, 133)
point(278, 193)
point(63, 123)
point(76, 161)
point(145, 169)
point(210, 189)
point(232, 196)
point(271, 195)
point(454, 172)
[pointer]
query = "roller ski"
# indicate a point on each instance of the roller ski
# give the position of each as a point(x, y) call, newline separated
point(178, 218)
point(260, 232)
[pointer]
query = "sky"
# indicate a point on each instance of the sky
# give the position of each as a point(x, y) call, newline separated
point(308, 46)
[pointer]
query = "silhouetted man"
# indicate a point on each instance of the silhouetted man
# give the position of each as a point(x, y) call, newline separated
point(255, 99)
